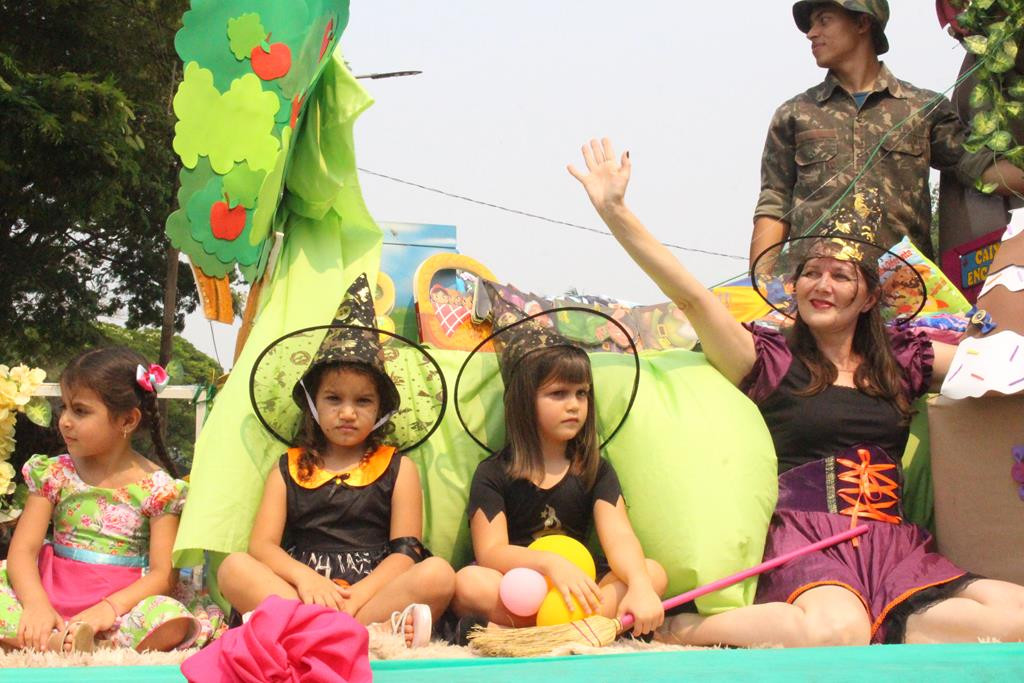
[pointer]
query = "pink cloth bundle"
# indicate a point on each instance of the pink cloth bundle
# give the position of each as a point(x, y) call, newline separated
point(285, 640)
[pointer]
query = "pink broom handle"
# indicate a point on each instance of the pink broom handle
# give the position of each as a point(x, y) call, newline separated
point(697, 592)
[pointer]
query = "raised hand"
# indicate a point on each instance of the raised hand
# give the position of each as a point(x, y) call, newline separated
point(606, 178)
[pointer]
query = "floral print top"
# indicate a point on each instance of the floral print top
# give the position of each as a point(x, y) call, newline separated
point(111, 521)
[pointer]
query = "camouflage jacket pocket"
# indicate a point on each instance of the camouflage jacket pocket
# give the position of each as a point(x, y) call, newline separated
point(815, 146)
point(904, 143)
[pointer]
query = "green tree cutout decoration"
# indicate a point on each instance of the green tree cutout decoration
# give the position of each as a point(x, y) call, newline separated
point(996, 30)
point(248, 67)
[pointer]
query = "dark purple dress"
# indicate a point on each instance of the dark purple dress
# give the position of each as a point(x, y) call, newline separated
point(838, 457)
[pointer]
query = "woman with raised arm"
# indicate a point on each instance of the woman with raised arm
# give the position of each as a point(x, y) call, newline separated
point(835, 390)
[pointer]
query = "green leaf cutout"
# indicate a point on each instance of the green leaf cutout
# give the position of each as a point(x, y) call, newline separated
point(226, 127)
point(39, 412)
point(245, 32)
point(242, 185)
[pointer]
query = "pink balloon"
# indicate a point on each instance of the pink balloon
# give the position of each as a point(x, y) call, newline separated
point(522, 590)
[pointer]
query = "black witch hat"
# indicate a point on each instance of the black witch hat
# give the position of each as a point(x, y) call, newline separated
point(517, 335)
point(414, 388)
point(850, 235)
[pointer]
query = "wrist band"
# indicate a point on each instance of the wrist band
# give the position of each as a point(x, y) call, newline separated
point(112, 606)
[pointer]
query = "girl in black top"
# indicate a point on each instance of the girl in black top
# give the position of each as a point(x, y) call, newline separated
point(550, 479)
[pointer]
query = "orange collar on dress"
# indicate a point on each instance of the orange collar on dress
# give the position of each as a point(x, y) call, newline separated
point(363, 474)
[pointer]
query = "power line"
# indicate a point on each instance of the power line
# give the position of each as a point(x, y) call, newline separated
point(533, 215)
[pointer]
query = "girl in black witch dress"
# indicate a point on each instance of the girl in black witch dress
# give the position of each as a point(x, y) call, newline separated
point(340, 521)
point(550, 479)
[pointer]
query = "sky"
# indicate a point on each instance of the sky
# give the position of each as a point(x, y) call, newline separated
point(510, 91)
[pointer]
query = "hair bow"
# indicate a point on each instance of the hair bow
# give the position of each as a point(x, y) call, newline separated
point(153, 379)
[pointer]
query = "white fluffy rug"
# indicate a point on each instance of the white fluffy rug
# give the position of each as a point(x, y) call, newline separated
point(381, 647)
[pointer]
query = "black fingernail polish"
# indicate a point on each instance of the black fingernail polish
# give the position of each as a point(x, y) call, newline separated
point(627, 153)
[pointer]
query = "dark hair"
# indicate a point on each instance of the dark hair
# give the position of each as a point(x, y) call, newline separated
point(878, 375)
point(110, 373)
point(311, 438)
point(537, 368)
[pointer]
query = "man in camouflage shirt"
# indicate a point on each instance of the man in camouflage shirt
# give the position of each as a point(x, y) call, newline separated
point(860, 126)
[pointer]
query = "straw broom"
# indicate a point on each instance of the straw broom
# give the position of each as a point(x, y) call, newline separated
point(598, 631)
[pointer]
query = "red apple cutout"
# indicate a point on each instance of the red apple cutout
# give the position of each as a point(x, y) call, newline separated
point(328, 36)
point(226, 223)
point(271, 61)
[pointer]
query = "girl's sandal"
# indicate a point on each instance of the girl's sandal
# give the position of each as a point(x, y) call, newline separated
point(422, 623)
point(83, 638)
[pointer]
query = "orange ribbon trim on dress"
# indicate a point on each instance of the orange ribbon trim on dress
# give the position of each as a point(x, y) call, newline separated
point(872, 492)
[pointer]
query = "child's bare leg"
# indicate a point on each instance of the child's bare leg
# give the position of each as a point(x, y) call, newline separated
point(167, 637)
point(246, 582)
point(823, 616)
point(430, 582)
point(476, 595)
point(613, 589)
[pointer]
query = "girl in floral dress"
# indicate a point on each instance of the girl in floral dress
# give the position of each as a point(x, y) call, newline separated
point(105, 575)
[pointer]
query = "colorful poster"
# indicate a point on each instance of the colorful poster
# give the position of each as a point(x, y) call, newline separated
point(405, 247)
point(445, 286)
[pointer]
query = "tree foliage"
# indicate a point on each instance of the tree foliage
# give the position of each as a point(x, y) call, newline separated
point(87, 173)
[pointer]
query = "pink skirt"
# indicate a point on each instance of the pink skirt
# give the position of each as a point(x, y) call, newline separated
point(73, 586)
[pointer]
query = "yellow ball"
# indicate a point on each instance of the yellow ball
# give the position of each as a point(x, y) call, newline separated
point(553, 611)
point(570, 549)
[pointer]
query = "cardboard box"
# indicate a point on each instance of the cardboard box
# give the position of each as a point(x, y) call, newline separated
point(979, 515)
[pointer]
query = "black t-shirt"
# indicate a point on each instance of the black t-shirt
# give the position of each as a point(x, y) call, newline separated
point(531, 512)
point(336, 516)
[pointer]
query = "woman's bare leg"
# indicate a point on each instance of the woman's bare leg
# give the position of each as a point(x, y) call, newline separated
point(984, 609)
point(822, 616)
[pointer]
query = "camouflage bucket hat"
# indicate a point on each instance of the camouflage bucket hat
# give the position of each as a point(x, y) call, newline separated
point(404, 370)
point(878, 10)
point(850, 236)
point(516, 336)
